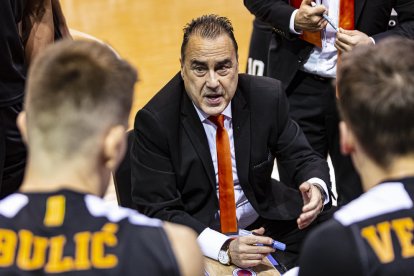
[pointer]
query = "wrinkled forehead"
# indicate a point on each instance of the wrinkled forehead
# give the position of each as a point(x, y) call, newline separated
point(216, 49)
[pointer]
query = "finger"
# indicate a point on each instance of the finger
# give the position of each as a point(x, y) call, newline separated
point(344, 47)
point(305, 220)
point(247, 263)
point(305, 187)
point(259, 231)
point(348, 32)
point(252, 256)
point(252, 240)
point(314, 200)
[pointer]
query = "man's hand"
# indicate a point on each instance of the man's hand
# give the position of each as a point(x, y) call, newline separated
point(312, 204)
point(310, 18)
point(245, 253)
point(346, 40)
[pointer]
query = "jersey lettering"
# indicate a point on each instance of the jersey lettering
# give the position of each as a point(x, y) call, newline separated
point(379, 238)
point(36, 252)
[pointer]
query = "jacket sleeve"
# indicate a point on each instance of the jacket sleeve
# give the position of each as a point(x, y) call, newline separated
point(296, 159)
point(154, 181)
point(405, 26)
point(276, 13)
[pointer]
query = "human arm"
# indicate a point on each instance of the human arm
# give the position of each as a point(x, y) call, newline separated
point(185, 248)
point(63, 27)
point(38, 27)
point(281, 15)
point(302, 168)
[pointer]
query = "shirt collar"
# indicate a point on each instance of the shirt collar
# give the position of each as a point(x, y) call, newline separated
point(203, 116)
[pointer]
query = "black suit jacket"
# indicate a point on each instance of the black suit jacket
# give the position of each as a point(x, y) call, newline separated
point(288, 52)
point(172, 172)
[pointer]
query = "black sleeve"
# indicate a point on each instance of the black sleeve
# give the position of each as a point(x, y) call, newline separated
point(276, 13)
point(330, 250)
point(405, 26)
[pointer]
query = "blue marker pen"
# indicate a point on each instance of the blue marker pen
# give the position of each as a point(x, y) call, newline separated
point(275, 244)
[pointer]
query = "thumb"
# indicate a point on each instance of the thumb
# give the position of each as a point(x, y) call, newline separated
point(259, 231)
point(347, 32)
point(306, 2)
point(305, 187)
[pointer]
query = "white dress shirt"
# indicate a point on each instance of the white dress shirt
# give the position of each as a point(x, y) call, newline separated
point(211, 241)
point(322, 61)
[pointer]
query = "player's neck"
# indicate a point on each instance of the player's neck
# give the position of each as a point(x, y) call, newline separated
point(84, 179)
point(372, 174)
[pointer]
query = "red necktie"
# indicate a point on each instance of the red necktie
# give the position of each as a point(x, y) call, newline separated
point(347, 22)
point(228, 219)
point(314, 38)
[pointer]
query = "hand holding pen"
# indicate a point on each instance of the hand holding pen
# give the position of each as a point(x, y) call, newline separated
point(327, 18)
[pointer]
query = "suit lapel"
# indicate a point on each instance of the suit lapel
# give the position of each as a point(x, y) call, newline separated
point(358, 6)
point(241, 134)
point(195, 131)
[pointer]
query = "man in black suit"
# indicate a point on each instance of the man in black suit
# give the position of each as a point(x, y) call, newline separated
point(174, 159)
point(307, 72)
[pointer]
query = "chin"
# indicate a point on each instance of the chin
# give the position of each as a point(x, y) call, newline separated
point(213, 110)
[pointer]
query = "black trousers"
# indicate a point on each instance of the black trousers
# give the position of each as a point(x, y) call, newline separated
point(12, 150)
point(313, 105)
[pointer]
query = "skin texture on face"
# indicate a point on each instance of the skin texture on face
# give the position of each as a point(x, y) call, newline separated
point(210, 72)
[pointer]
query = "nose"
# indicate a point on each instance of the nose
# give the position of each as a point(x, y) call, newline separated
point(212, 81)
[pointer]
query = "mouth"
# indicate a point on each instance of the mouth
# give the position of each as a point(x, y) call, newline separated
point(213, 99)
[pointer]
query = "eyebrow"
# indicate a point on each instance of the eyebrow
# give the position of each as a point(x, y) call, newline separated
point(224, 62)
point(199, 63)
point(218, 64)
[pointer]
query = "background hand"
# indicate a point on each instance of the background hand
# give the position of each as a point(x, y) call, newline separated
point(312, 204)
point(310, 18)
point(346, 40)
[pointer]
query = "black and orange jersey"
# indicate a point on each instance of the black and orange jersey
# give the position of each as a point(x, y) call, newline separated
point(70, 233)
point(372, 235)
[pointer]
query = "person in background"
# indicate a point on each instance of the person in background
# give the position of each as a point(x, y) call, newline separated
point(204, 150)
point(258, 48)
point(77, 103)
point(373, 234)
point(26, 28)
point(308, 71)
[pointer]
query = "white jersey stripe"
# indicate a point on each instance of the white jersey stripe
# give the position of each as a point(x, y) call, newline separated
point(385, 198)
point(98, 208)
point(12, 204)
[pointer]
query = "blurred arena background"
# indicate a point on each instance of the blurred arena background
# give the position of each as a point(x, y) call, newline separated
point(148, 33)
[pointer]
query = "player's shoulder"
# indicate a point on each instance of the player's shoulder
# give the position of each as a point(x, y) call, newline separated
point(97, 207)
point(378, 201)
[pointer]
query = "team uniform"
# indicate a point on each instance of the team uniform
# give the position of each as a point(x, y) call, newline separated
point(71, 233)
point(372, 235)
point(12, 80)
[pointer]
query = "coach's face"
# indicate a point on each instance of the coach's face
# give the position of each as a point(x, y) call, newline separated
point(210, 72)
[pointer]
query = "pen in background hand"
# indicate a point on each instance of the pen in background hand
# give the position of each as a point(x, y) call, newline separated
point(327, 18)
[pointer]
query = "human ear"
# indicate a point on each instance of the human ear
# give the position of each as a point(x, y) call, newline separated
point(114, 147)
